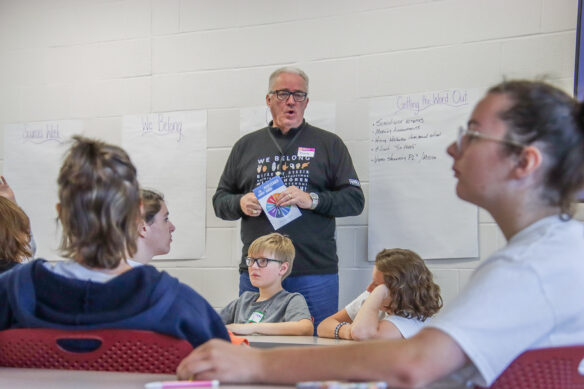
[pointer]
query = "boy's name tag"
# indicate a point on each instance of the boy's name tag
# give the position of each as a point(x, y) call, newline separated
point(307, 152)
point(255, 317)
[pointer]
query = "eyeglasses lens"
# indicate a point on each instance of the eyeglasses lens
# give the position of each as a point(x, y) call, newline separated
point(261, 262)
point(284, 95)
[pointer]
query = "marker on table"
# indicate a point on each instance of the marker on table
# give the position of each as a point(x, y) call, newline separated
point(340, 385)
point(182, 384)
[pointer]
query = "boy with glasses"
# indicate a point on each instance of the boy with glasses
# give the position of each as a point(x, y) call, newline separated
point(271, 310)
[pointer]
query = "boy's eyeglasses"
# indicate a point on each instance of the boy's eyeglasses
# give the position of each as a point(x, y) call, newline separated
point(466, 136)
point(284, 95)
point(262, 262)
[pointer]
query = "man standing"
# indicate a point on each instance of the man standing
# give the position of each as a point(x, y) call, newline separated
point(318, 172)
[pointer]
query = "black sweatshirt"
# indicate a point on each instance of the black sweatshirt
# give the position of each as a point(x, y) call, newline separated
point(310, 158)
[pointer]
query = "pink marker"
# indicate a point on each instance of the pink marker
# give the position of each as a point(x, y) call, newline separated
point(182, 384)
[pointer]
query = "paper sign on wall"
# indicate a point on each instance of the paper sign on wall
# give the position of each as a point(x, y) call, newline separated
point(412, 199)
point(32, 158)
point(169, 151)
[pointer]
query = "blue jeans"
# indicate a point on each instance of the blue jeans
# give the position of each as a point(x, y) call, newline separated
point(321, 292)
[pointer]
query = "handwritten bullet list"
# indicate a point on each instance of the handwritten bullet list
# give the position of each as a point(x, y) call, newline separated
point(399, 139)
point(404, 134)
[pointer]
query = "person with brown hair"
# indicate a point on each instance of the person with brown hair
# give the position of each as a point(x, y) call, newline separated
point(17, 242)
point(154, 231)
point(6, 191)
point(401, 296)
point(521, 158)
point(99, 211)
point(14, 235)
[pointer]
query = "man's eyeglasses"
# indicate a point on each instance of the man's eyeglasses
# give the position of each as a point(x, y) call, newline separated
point(466, 136)
point(284, 94)
point(262, 262)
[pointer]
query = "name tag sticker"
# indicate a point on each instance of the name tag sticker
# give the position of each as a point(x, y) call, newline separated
point(255, 317)
point(306, 152)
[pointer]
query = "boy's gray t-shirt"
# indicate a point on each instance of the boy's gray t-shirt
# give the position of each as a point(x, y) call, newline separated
point(281, 307)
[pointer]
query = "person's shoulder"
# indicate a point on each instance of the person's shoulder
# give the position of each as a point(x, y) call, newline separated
point(158, 283)
point(246, 299)
point(408, 327)
point(362, 297)
point(327, 134)
point(289, 296)
point(31, 266)
point(326, 138)
point(248, 141)
point(165, 279)
point(533, 246)
point(409, 320)
point(252, 136)
point(6, 265)
point(548, 231)
point(233, 303)
point(23, 271)
point(248, 296)
point(566, 233)
point(149, 271)
point(295, 302)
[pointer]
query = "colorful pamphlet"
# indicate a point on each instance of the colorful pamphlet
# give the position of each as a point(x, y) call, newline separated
point(268, 194)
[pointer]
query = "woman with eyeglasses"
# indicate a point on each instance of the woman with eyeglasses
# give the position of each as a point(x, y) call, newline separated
point(522, 160)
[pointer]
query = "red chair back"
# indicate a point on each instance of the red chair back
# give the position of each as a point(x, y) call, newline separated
point(546, 368)
point(104, 350)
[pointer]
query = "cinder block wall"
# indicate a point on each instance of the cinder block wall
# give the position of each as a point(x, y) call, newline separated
point(97, 60)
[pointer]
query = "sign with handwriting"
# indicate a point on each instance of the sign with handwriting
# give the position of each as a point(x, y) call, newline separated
point(169, 151)
point(32, 158)
point(412, 199)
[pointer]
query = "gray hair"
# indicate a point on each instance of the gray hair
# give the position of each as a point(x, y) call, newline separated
point(287, 69)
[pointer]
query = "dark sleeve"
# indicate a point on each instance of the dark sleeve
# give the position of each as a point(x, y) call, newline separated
point(199, 321)
point(5, 307)
point(227, 196)
point(345, 197)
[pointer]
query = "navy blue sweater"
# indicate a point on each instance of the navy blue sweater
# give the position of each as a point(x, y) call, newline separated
point(142, 298)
